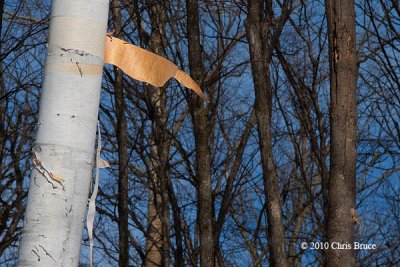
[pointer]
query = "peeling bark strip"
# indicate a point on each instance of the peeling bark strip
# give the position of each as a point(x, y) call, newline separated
point(343, 122)
point(49, 175)
point(66, 142)
point(145, 66)
point(100, 163)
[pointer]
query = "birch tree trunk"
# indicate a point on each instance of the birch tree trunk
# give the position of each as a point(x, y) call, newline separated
point(66, 134)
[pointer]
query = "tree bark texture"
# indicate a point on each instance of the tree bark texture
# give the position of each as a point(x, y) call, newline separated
point(343, 123)
point(64, 144)
point(122, 139)
point(257, 27)
point(202, 146)
point(1, 15)
point(157, 243)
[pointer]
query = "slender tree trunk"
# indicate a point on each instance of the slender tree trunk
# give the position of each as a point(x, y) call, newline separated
point(260, 55)
point(2, 92)
point(157, 243)
point(179, 260)
point(122, 139)
point(1, 16)
point(159, 211)
point(343, 123)
point(2, 119)
point(201, 135)
point(154, 232)
point(66, 134)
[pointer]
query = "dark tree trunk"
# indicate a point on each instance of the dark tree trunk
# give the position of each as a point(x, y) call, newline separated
point(343, 123)
point(1, 16)
point(122, 139)
point(179, 260)
point(258, 25)
point(2, 91)
point(202, 136)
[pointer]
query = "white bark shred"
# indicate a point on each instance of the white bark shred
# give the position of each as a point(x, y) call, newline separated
point(100, 163)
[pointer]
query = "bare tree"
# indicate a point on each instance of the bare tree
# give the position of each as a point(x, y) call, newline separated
point(149, 208)
point(343, 64)
point(262, 36)
point(202, 131)
point(158, 239)
point(122, 139)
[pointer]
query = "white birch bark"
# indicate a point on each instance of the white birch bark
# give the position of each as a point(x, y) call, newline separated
point(66, 134)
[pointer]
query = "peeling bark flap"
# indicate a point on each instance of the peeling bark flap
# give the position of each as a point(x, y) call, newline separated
point(145, 66)
point(39, 165)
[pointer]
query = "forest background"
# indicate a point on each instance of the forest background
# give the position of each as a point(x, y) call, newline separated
point(148, 208)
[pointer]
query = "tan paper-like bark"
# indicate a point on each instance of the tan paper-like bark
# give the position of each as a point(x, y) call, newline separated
point(145, 66)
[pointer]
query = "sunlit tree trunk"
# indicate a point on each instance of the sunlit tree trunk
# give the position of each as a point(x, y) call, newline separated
point(157, 243)
point(66, 134)
point(343, 119)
